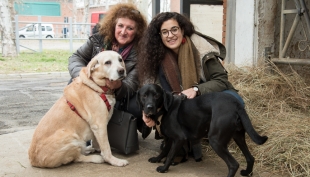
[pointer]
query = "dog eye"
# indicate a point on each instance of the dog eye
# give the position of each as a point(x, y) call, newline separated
point(107, 62)
point(144, 96)
point(120, 60)
point(156, 96)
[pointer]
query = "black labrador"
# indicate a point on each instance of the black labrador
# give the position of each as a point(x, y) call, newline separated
point(180, 119)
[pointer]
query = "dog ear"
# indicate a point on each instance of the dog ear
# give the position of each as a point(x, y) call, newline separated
point(168, 98)
point(138, 99)
point(91, 66)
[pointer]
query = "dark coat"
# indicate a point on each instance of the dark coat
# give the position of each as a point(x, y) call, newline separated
point(92, 47)
point(215, 74)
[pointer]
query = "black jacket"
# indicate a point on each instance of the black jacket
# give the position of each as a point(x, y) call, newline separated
point(92, 47)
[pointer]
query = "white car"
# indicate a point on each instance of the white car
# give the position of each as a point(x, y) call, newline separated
point(32, 31)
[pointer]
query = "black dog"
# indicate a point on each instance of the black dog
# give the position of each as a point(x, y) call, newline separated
point(179, 119)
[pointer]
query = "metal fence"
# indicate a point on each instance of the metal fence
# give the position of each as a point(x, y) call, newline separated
point(63, 31)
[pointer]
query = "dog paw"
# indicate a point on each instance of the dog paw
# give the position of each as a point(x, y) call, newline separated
point(88, 150)
point(246, 173)
point(97, 159)
point(154, 160)
point(119, 162)
point(161, 169)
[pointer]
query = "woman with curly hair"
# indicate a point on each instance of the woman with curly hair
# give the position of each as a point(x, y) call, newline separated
point(120, 30)
point(182, 60)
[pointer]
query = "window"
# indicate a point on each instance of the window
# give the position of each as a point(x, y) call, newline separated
point(38, 8)
point(101, 16)
point(43, 28)
point(30, 28)
point(48, 28)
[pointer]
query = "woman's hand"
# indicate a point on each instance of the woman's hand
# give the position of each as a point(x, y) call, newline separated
point(113, 84)
point(148, 122)
point(190, 93)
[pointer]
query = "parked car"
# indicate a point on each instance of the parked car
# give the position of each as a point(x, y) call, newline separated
point(32, 31)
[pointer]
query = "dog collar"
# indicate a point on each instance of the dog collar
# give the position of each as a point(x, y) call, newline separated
point(159, 116)
point(157, 126)
point(106, 101)
point(103, 97)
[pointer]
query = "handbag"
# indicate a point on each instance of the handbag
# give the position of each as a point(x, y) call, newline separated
point(122, 132)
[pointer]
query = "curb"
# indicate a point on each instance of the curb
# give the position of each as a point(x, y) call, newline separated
point(34, 75)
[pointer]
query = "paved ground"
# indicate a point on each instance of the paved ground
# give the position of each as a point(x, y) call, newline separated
point(25, 98)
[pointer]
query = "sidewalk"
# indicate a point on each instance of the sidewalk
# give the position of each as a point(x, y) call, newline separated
point(14, 162)
point(34, 75)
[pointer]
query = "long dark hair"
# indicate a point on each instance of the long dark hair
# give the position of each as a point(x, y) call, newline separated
point(152, 50)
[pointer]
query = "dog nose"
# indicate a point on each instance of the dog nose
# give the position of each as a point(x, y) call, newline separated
point(121, 71)
point(149, 106)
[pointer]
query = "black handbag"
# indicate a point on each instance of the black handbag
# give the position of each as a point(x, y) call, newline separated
point(122, 132)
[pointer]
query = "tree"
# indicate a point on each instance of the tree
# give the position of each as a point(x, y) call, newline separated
point(6, 27)
point(85, 15)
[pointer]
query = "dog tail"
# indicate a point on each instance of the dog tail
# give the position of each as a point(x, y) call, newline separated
point(249, 127)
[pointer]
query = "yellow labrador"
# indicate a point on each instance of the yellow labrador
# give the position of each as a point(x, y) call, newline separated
point(61, 135)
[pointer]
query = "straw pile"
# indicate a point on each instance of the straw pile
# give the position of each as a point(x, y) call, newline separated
point(278, 105)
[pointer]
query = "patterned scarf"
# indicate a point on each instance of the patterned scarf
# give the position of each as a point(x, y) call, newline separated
point(124, 52)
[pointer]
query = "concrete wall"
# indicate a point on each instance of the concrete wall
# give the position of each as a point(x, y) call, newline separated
point(266, 11)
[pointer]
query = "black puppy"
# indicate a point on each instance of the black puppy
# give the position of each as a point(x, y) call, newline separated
point(179, 119)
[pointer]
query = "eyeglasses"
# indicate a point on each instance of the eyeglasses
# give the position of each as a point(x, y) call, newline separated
point(174, 31)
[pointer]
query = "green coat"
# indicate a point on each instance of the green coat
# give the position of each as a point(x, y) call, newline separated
point(214, 77)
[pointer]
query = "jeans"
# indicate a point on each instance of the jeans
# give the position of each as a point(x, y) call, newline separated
point(236, 95)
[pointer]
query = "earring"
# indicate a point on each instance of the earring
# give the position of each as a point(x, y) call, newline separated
point(183, 40)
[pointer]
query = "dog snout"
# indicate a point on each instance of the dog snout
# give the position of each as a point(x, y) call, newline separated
point(121, 71)
point(149, 109)
point(149, 106)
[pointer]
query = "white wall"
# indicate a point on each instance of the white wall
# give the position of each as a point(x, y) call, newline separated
point(208, 19)
point(244, 33)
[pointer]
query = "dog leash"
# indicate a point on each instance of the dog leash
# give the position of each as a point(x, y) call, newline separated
point(103, 97)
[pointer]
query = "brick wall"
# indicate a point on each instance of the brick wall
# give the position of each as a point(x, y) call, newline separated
point(224, 21)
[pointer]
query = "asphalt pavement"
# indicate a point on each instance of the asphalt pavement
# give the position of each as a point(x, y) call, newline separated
point(25, 98)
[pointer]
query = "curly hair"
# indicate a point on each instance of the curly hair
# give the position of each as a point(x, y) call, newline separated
point(122, 10)
point(153, 49)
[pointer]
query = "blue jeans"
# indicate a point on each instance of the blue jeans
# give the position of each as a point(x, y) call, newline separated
point(235, 94)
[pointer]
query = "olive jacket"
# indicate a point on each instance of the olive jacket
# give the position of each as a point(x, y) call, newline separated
point(213, 76)
point(92, 47)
